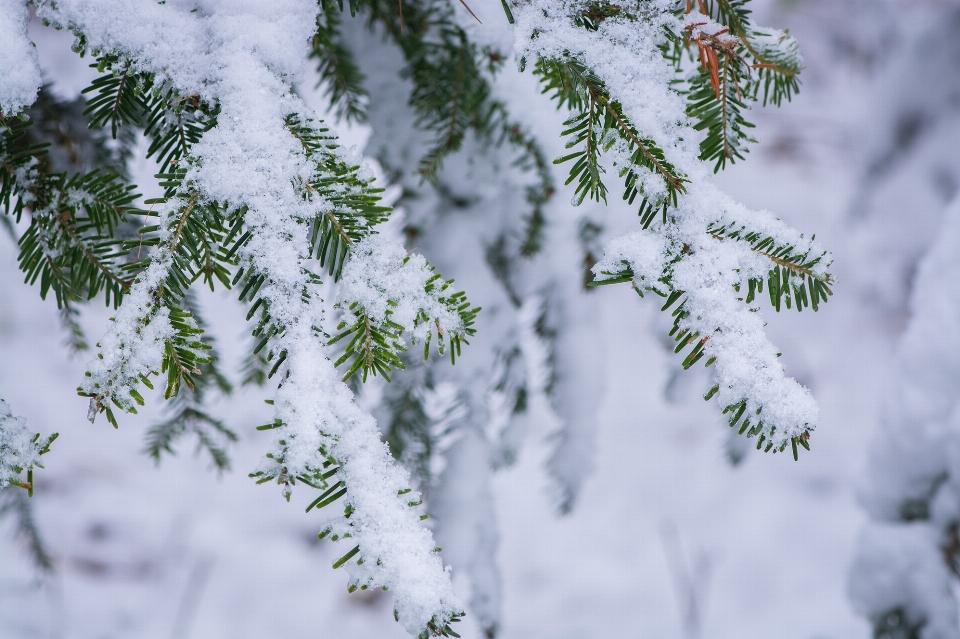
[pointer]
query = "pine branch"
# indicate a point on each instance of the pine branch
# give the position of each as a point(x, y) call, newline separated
point(337, 69)
point(450, 94)
point(776, 55)
point(777, 65)
point(17, 505)
point(376, 341)
point(119, 100)
point(771, 58)
point(575, 86)
point(407, 424)
point(732, 14)
point(255, 369)
point(76, 340)
point(694, 343)
point(333, 490)
point(211, 435)
point(71, 145)
point(156, 322)
point(348, 209)
point(70, 245)
point(797, 278)
point(531, 158)
point(19, 451)
point(175, 123)
point(715, 100)
point(354, 204)
point(372, 348)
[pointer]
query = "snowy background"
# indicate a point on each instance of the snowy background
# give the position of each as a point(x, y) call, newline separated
point(670, 538)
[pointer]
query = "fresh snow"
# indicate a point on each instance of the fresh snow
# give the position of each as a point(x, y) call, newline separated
point(20, 80)
point(664, 528)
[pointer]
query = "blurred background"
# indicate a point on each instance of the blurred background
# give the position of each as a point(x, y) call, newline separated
point(680, 531)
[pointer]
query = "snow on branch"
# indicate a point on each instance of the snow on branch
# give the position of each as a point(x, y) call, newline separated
point(707, 255)
point(258, 163)
point(150, 333)
point(386, 290)
point(19, 450)
point(702, 278)
point(20, 80)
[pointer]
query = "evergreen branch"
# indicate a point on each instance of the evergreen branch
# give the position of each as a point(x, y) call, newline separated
point(255, 369)
point(732, 14)
point(348, 205)
point(76, 340)
point(70, 243)
point(774, 56)
point(187, 408)
point(647, 153)
point(407, 425)
point(373, 347)
point(721, 116)
point(777, 65)
point(167, 335)
point(333, 489)
point(61, 127)
point(18, 165)
point(450, 96)
point(17, 505)
point(203, 243)
point(797, 278)
point(337, 69)
point(19, 451)
point(211, 434)
point(692, 334)
point(456, 111)
point(335, 223)
point(531, 158)
point(119, 100)
point(437, 51)
point(175, 123)
point(574, 85)
point(378, 310)
point(715, 100)
point(101, 265)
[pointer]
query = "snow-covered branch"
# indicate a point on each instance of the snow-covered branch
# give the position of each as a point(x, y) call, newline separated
point(708, 255)
point(243, 57)
point(19, 450)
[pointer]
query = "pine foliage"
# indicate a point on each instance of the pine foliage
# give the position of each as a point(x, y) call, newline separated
point(314, 221)
point(19, 451)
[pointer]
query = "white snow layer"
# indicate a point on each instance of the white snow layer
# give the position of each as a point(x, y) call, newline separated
point(18, 448)
point(20, 79)
point(244, 55)
point(389, 284)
